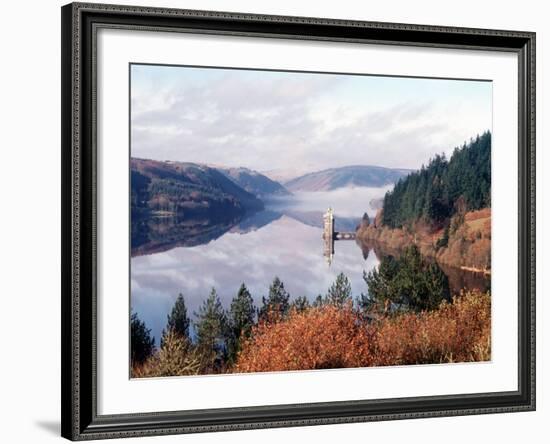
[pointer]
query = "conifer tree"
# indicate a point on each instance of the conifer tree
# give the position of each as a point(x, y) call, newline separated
point(319, 301)
point(300, 304)
point(277, 303)
point(212, 330)
point(177, 320)
point(242, 313)
point(432, 192)
point(141, 342)
point(339, 292)
point(409, 282)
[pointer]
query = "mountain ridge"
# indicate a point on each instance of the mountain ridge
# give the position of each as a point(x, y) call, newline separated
point(254, 182)
point(176, 187)
point(341, 177)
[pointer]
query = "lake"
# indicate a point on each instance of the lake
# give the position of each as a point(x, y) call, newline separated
point(172, 256)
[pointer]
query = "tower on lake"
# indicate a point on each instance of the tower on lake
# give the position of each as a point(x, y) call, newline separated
point(330, 235)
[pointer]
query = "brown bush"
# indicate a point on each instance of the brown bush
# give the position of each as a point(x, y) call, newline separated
point(456, 332)
point(478, 214)
point(331, 337)
point(320, 337)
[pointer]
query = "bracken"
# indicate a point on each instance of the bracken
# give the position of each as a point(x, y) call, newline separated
point(332, 337)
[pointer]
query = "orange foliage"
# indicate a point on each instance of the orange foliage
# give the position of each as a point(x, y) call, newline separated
point(332, 337)
point(477, 214)
point(456, 332)
point(318, 338)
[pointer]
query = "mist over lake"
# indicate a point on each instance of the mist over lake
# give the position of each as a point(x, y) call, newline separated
point(349, 202)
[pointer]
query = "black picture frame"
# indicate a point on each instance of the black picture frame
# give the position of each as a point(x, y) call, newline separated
point(79, 174)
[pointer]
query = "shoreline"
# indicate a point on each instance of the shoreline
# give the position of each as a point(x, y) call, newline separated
point(468, 248)
point(484, 271)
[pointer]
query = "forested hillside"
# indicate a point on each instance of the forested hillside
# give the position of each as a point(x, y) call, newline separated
point(444, 187)
point(179, 187)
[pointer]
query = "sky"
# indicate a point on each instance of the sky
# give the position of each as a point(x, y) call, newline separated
point(295, 122)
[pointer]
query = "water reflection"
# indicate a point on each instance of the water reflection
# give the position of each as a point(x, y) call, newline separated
point(458, 279)
point(190, 256)
point(285, 247)
point(157, 234)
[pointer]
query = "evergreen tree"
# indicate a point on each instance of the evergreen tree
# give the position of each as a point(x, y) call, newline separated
point(339, 292)
point(379, 282)
point(319, 301)
point(300, 304)
point(212, 330)
point(142, 344)
point(177, 321)
point(409, 282)
point(277, 303)
point(242, 313)
point(432, 192)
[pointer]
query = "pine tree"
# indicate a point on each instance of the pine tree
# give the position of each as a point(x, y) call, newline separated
point(300, 304)
point(212, 330)
point(409, 282)
point(242, 313)
point(142, 344)
point(431, 193)
point(276, 305)
point(379, 282)
point(177, 320)
point(339, 292)
point(319, 301)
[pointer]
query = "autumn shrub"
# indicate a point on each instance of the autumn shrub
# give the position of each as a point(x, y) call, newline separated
point(456, 332)
point(336, 337)
point(176, 357)
point(317, 338)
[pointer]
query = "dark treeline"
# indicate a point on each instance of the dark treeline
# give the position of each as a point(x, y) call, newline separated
point(220, 333)
point(442, 188)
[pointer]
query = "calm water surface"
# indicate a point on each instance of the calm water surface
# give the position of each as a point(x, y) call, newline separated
point(191, 257)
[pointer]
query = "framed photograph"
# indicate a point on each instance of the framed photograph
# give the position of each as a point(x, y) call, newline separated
point(281, 221)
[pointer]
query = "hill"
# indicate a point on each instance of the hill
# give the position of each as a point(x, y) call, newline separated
point(254, 182)
point(179, 187)
point(443, 188)
point(355, 175)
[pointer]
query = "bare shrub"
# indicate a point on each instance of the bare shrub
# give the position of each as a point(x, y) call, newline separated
point(175, 358)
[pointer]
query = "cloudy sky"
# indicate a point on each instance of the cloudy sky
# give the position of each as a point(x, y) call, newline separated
point(279, 121)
